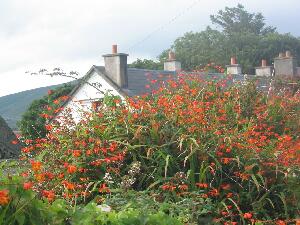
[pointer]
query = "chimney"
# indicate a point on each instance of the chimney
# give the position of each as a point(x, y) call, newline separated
point(288, 54)
point(281, 55)
point(263, 63)
point(116, 67)
point(233, 61)
point(172, 64)
point(285, 65)
point(234, 68)
point(115, 49)
point(264, 70)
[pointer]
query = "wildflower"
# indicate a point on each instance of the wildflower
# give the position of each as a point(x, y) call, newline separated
point(4, 198)
point(226, 160)
point(36, 166)
point(71, 169)
point(280, 222)
point(27, 185)
point(76, 153)
point(218, 132)
point(39, 177)
point(225, 186)
point(247, 215)
point(104, 189)
point(183, 187)
point(14, 142)
point(202, 185)
point(48, 127)
point(229, 195)
point(204, 196)
point(165, 187)
point(49, 195)
point(214, 192)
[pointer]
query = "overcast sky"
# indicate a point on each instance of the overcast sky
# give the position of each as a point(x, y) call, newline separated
point(73, 34)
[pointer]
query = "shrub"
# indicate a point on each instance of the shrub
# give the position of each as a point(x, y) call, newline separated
point(32, 124)
point(21, 206)
point(232, 145)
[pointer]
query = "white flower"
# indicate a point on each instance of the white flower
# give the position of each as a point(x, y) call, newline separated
point(104, 208)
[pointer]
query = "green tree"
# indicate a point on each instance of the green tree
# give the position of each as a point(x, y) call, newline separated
point(32, 124)
point(238, 20)
point(243, 35)
point(146, 64)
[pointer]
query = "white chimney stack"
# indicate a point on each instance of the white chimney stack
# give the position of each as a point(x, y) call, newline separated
point(172, 64)
point(116, 67)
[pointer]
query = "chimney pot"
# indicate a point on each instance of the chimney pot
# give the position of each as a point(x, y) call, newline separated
point(288, 54)
point(171, 56)
point(233, 61)
point(281, 55)
point(114, 49)
point(263, 63)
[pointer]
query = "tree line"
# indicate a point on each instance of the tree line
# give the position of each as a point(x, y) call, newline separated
point(237, 33)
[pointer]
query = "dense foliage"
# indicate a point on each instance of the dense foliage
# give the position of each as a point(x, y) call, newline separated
point(146, 64)
point(32, 124)
point(21, 206)
point(227, 154)
point(239, 33)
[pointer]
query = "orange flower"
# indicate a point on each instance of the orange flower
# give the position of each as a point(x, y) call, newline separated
point(14, 142)
point(76, 153)
point(27, 185)
point(49, 195)
point(214, 192)
point(225, 186)
point(165, 187)
point(70, 186)
point(48, 127)
point(71, 169)
point(183, 187)
point(4, 198)
point(226, 160)
point(247, 215)
point(202, 185)
point(36, 165)
point(104, 189)
point(204, 196)
point(280, 222)
point(40, 177)
point(229, 195)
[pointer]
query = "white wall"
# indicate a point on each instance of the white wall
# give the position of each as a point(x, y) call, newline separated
point(82, 99)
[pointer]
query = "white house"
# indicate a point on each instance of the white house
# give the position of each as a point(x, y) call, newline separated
point(116, 79)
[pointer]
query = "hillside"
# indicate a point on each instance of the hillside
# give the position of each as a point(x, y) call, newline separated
point(13, 106)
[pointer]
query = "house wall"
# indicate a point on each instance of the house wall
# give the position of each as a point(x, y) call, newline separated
point(82, 99)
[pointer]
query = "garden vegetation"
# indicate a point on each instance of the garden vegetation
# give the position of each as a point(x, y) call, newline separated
point(196, 150)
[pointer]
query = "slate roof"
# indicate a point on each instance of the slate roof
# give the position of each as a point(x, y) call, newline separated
point(139, 78)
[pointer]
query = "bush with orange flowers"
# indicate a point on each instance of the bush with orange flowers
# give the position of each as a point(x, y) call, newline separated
point(190, 138)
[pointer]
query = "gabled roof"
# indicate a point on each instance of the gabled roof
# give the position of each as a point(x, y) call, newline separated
point(139, 78)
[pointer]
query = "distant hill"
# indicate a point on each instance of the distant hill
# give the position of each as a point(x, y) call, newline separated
point(13, 106)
